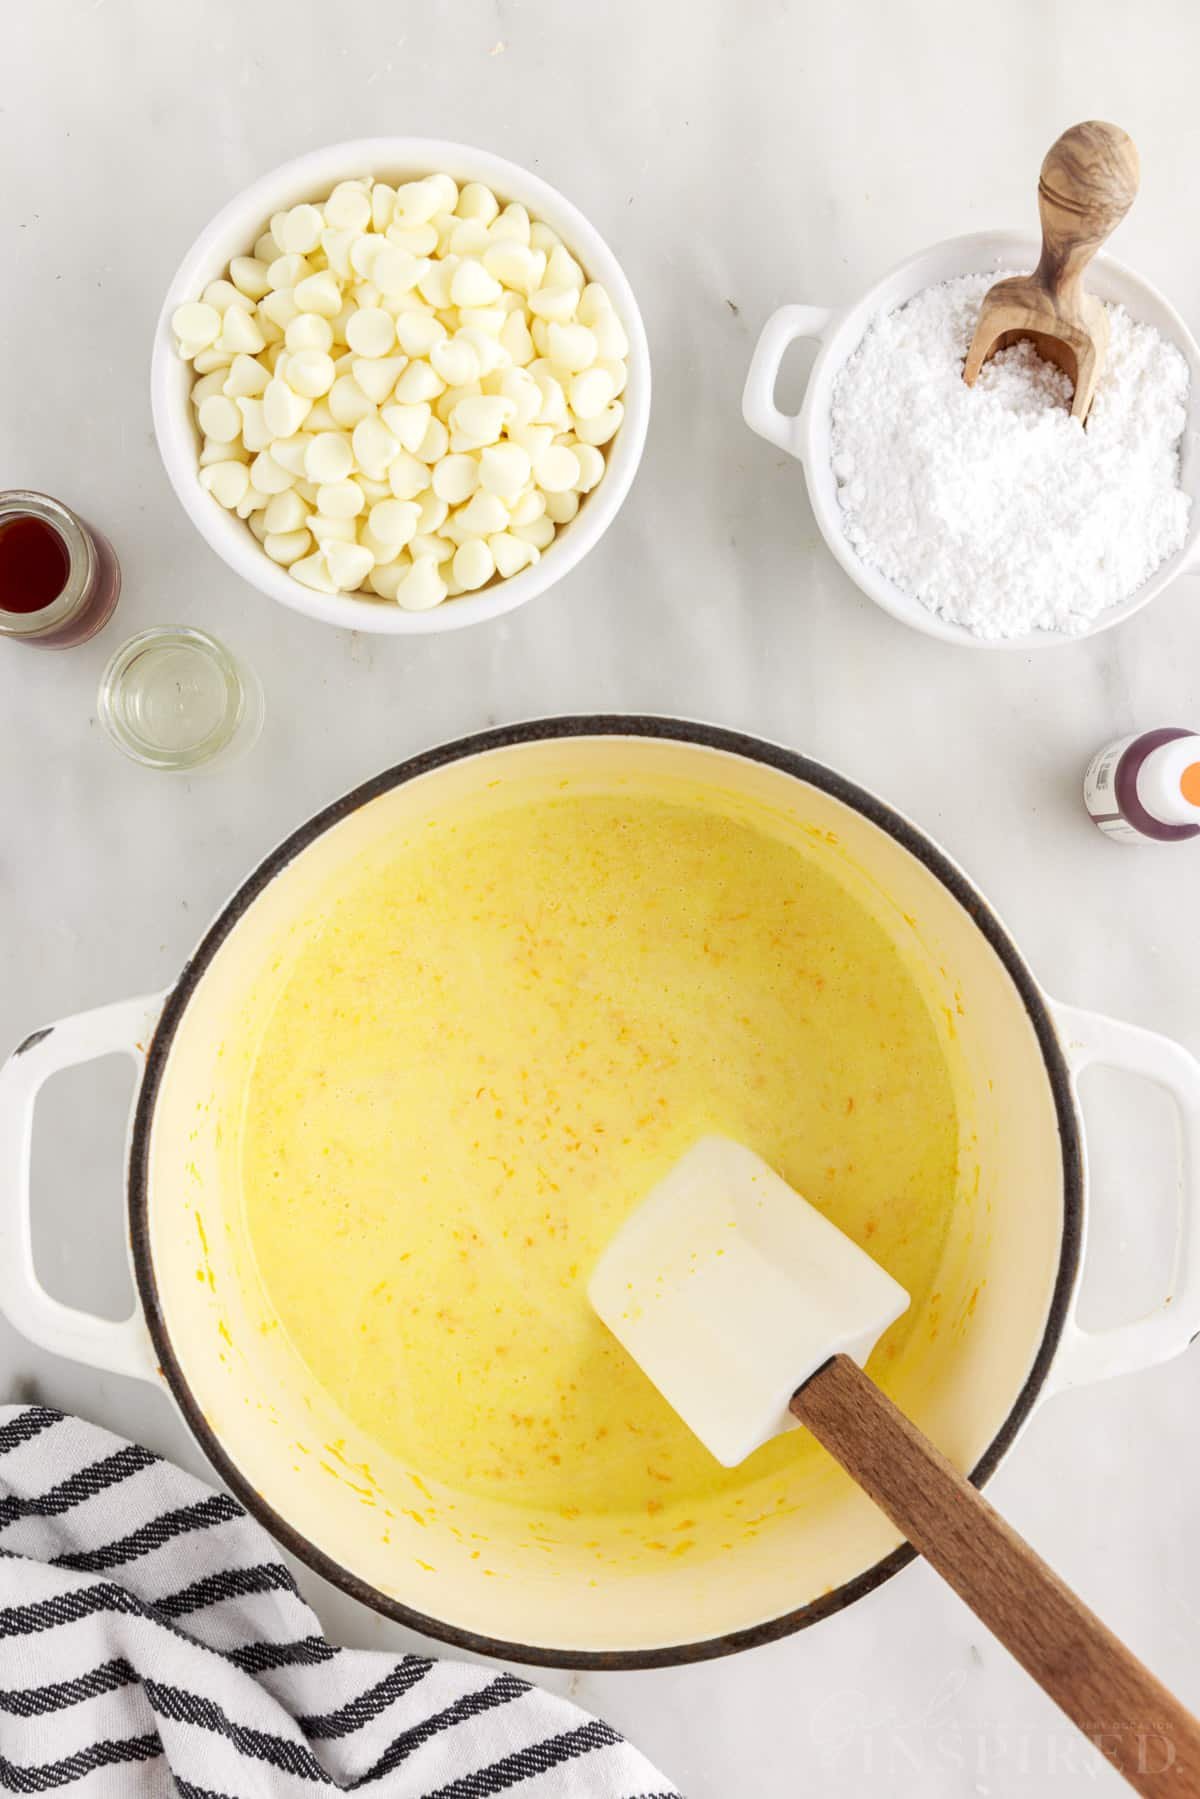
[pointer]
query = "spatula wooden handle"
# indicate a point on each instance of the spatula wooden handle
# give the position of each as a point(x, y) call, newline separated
point(1088, 182)
point(1141, 1727)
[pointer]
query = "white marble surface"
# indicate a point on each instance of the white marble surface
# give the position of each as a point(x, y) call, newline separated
point(737, 155)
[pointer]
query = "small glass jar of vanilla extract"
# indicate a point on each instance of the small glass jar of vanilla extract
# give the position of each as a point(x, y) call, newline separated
point(59, 577)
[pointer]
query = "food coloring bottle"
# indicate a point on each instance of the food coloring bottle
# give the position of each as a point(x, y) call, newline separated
point(1146, 788)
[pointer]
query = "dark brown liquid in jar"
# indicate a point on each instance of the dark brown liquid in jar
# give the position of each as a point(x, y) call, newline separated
point(34, 565)
point(59, 576)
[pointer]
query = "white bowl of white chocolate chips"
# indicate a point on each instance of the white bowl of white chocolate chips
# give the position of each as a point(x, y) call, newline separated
point(400, 385)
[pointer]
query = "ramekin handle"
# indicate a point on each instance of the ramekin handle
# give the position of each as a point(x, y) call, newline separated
point(122, 1347)
point(1085, 1356)
point(758, 396)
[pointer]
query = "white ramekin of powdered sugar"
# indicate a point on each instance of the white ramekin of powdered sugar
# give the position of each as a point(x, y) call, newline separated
point(987, 516)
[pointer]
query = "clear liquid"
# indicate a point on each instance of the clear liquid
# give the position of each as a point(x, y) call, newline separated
point(175, 697)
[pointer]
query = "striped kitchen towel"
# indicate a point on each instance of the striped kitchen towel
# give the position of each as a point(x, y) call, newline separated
point(152, 1643)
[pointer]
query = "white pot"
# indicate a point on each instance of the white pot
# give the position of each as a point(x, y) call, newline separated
point(232, 233)
point(1006, 1335)
point(806, 436)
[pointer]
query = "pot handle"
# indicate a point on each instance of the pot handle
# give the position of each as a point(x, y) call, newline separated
point(1085, 1356)
point(758, 396)
point(117, 1347)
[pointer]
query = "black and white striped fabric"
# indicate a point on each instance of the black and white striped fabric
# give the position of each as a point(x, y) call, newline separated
point(152, 1643)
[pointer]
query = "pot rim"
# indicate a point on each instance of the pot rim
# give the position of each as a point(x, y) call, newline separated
point(705, 736)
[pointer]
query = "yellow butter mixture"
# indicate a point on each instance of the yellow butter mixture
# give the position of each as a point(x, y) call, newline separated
point(491, 1046)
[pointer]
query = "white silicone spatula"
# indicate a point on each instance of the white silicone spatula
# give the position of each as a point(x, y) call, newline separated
point(752, 1313)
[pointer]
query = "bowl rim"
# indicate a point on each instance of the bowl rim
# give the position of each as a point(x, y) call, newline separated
point(852, 320)
point(228, 231)
point(908, 836)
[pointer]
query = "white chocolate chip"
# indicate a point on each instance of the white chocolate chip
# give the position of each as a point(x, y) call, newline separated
point(330, 457)
point(422, 587)
point(299, 230)
point(570, 347)
point(540, 533)
point(419, 382)
point(418, 240)
point(247, 378)
point(475, 201)
point(409, 425)
point(561, 507)
point(456, 361)
point(340, 499)
point(531, 505)
point(377, 377)
point(348, 403)
point(416, 202)
point(348, 207)
point(428, 545)
point(332, 530)
point(468, 238)
point(287, 547)
point(482, 516)
point(255, 434)
point(432, 513)
point(562, 270)
point(383, 205)
point(310, 373)
point(212, 383)
point(556, 470)
point(223, 295)
point(471, 285)
point(480, 420)
point(286, 511)
point(395, 521)
point(249, 276)
point(504, 469)
point(196, 325)
point(319, 293)
point(455, 479)
point(284, 410)
point(313, 571)
point(370, 331)
point(473, 564)
point(417, 332)
point(226, 482)
point(384, 580)
point(612, 343)
point(511, 554)
point(515, 338)
point(374, 446)
point(269, 476)
point(618, 373)
point(349, 564)
point(512, 222)
point(220, 419)
point(603, 427)
point(285, 271)
point(591, 466)
point(554, 303)
point(290, 452)
point(280, 308)
point(408, 476)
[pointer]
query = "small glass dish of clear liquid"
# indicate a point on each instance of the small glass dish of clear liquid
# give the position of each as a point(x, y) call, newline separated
point(175, 698)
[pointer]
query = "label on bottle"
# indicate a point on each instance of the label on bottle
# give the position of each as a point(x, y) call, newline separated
point(1099, 795)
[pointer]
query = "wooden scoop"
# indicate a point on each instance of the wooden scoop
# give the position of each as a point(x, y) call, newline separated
point(751, 1313)
point(1087, 185)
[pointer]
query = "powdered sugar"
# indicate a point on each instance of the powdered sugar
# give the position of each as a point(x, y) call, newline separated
point(991, 505)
